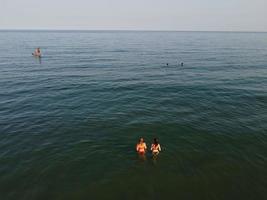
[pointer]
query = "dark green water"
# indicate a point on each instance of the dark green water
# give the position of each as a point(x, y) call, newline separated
point(70, 121)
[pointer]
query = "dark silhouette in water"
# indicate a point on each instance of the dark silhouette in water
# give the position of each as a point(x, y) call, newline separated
point(181, 64)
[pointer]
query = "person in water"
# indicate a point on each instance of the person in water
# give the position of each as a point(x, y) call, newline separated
point(155, 147)
point(37, 52)
point(141, 146)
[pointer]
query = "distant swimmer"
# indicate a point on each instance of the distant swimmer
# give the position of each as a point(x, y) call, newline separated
point(141, 146)
point(167, 64)
point(182, 64)
point(37, 52)
point(155, 147)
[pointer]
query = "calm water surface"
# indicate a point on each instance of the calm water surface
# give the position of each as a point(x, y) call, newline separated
point(69, 121)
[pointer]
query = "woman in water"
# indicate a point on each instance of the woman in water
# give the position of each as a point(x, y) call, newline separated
point(37, 52)
point(155, 147)
point(141, 146)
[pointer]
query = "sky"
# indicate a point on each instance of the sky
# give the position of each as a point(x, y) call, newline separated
point(180, 15)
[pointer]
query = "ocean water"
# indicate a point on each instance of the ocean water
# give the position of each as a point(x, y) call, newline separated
point(69, 121)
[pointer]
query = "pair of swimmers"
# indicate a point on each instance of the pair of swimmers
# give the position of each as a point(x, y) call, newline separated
point(141, 147)
point(182, 64)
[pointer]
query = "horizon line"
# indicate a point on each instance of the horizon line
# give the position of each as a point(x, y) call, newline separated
point(129, 30)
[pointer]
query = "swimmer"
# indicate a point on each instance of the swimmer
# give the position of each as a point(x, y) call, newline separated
point(141, 146)
point(182, 64)
point(37, 52)
point(155, 147)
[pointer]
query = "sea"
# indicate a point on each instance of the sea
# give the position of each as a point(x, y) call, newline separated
point(70, 120)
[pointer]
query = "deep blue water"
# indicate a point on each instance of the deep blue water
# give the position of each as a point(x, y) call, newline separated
point(69, 121)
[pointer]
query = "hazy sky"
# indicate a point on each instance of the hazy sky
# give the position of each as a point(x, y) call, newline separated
point(209, 15)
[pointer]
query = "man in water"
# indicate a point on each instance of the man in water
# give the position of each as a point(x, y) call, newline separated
point(37, 52)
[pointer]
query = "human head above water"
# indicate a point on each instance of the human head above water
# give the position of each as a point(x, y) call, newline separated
point(141, 140)
point(156, 142)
